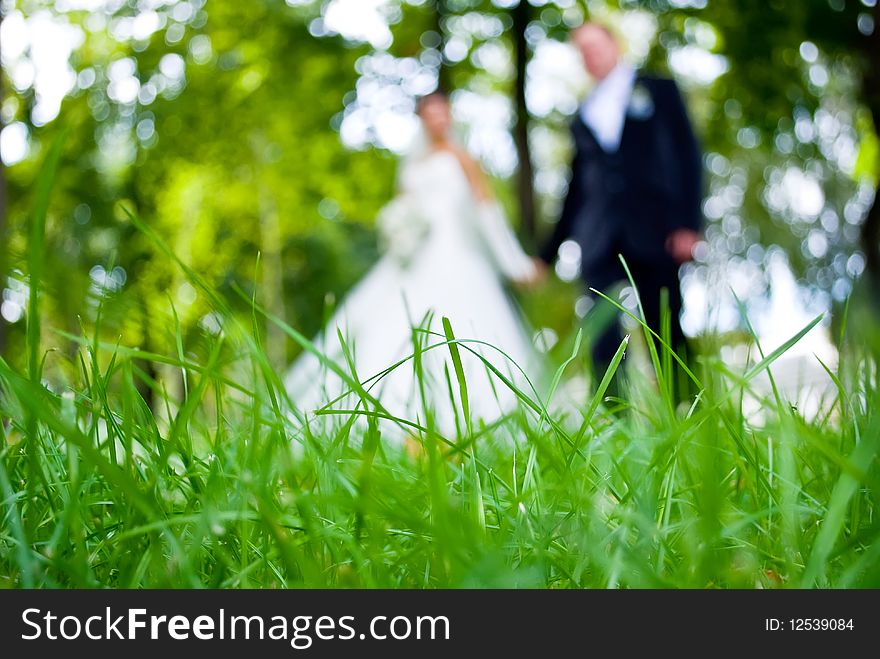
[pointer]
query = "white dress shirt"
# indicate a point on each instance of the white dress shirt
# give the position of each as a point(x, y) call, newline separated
point(604, 110)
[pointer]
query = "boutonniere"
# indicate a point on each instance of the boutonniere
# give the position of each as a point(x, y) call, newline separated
point(641, 104)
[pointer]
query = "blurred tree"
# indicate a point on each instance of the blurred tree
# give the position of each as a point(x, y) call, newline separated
point(802, 85)
point(216, 128)
point(4, 240)
point(440, 12)
point(871, 89)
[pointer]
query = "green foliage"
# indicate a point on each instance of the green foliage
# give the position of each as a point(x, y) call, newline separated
point(231, 164)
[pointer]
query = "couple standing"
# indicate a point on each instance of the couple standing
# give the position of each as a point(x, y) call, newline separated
point(635, 190)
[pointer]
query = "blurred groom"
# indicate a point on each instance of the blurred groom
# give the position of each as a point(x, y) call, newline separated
point(635, 186)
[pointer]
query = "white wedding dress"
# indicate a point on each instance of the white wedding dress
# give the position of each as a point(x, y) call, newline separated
point(445, 255)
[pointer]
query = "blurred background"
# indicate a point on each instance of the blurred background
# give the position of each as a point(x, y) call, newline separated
point(273, 128)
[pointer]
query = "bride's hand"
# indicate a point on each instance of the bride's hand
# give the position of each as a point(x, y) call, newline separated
point(537, 277)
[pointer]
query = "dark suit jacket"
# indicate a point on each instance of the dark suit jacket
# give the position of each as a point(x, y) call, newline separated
point(630, 201)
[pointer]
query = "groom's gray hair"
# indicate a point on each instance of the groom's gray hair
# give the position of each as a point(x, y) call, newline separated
point(600, 25)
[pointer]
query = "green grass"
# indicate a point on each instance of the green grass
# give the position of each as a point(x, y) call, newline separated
point(225, 487)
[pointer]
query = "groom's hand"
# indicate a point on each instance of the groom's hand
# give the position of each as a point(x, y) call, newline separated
point(680, 245)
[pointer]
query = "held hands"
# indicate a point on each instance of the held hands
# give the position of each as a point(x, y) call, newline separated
point(680, 245)
point(535, 278)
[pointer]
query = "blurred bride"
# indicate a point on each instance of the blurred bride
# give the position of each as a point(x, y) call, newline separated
point(447, 252)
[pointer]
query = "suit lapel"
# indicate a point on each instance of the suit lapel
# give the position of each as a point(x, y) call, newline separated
point(584, 138)
point(627, 118)
point(584, 135)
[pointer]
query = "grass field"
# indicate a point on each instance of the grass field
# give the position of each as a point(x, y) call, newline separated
point(222, 487)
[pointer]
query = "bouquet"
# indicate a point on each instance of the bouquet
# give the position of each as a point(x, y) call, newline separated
point(402, 229)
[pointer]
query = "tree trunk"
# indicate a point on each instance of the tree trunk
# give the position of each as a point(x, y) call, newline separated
point(521, 15)
point(147, 388)
point(870, 233)
point(4, 239)
point(273, 277)
point(440, 12)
